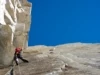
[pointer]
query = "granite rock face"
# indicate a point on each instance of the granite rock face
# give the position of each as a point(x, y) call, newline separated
point(6, 48)
point(15, 20)
point(65, 59)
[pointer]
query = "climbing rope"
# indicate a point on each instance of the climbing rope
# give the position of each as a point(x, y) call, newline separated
point(19, 70)
point(12, 72)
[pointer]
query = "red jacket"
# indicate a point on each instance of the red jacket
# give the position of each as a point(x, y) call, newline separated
point(18, 50)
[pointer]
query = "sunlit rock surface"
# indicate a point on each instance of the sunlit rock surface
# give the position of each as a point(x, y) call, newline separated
point(66, 59)
point(6, 49)
point(15, 20)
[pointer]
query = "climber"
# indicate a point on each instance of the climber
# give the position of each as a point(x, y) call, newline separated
point(17, 55)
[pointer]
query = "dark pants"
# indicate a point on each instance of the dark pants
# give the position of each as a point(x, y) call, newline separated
point(18, 56)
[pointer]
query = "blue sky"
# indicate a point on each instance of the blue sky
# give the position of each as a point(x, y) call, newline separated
point(64, 21)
